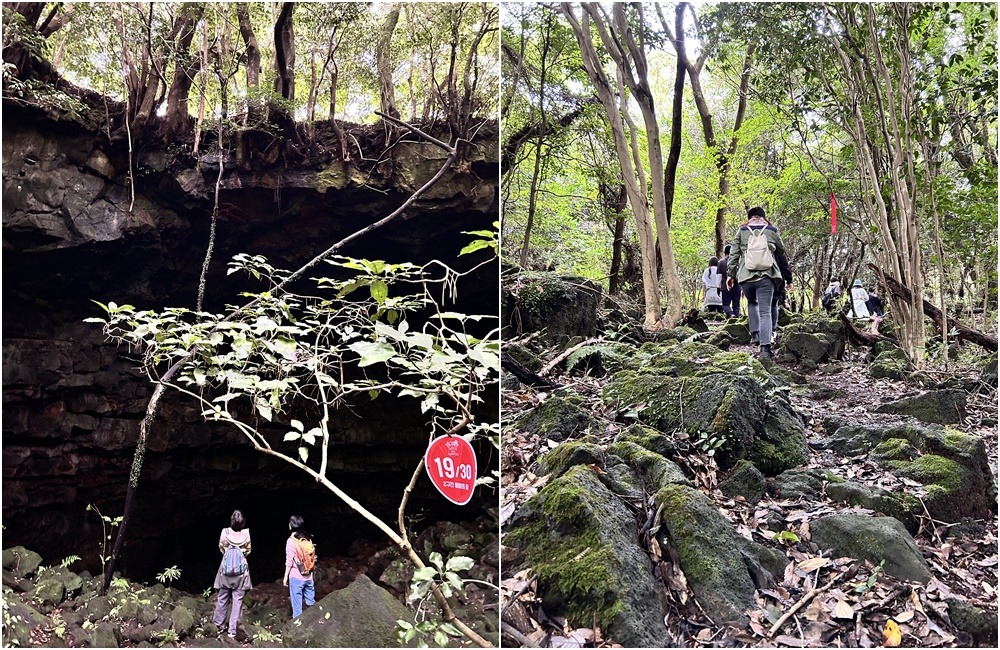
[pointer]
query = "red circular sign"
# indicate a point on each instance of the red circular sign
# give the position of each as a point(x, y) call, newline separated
point(451, 464)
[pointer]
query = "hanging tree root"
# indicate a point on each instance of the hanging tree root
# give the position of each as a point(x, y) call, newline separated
point(965, 332)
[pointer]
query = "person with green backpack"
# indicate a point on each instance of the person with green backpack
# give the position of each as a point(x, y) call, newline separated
point(233, 577)
point(755, 264)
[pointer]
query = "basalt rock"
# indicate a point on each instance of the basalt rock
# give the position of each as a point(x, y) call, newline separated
point(875, 539)
point(557, 307)
point(933, 407)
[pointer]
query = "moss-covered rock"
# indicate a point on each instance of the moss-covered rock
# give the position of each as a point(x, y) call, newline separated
point(746, 481)
point(899, 506)
point(20, 618)
point(648, 437)
point(738, 331)
point(801, 483)
point(814, 339)
point(362, 615)
point(182, 620)
point(655, 470)
point(558, 307)
point(20, 561)
point(933, 407)
point(890, 364)
point(981, 625)
point(735, 408)
point(523, 356)
point(557, 418)
point(875, 539)
point(988, 372)
point(705, 543)
point(54, 585)
point(576, 452)
point(953, 465)
point(104, 635)
point(582, 542)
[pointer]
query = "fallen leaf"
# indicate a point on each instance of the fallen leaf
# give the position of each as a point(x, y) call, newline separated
point(891, 636)
point(814, 563)
point(843, 610)
point(904, 617)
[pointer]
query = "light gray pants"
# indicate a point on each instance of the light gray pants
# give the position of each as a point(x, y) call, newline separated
point(225, 595)
point(760, 294)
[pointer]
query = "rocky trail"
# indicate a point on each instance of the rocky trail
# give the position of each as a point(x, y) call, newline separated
point(672, 491)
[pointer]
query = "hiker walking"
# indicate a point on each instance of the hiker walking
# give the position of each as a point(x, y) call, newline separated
point(859, 300)
point(874, 303)
point(831, 297)
point(753, 264)
point(730, 297)
point(713, 286)
point(300, 560)
point(233, 578)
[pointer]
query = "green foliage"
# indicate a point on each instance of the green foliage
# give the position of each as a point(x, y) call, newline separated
point(108, 524)
point(169, 575)
point(69, 560)
point(424, 631)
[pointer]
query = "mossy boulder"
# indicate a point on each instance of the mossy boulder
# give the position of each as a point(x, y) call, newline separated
point(104, 635)
point(980, 624)
point(576, 452)
point(899, 506)
point(814, 339)
point(890, 364)
point(557, 307)
point(738, 331)
point(722, 567)
point(746, 481)
point(652, 468)
point(581, 540)
point(362, 615)
point(54, 585)
point(557, 418)
point(988, 372)
point(20, 561)
point(875, 539)
point(954, 466)
point(20, 618)
point(648, 437)
point(523, 356)
point(182, 620)
point(801, 483)
point(736, 408)
point(933, 407)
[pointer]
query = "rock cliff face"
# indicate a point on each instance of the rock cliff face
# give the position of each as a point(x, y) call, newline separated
point(74, 231)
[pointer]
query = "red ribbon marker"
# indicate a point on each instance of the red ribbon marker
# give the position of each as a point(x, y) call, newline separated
point(451, 465)
point(833, 214)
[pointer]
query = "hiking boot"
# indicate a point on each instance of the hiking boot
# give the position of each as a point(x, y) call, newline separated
point(754, 338)
point(765, 352)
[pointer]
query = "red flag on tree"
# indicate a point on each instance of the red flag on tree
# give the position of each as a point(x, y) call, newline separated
point(833, 214)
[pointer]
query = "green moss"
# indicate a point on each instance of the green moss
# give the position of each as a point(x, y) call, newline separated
point(578, 572)
point(933, 469)
point(895, 449)
point(654, 468)
point(578, 452)
point(649, 438)
point(963, 443)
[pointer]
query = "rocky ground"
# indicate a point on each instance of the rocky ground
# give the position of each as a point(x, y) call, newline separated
point(654, 515)
point(360, 598)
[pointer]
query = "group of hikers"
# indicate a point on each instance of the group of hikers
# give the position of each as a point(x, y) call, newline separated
point(756, 265)
point(233, 577)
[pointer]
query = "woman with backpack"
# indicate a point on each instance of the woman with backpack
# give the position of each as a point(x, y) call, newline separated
point(233, 578)
point(754, 264)
point(713, 286)
point(300, 559)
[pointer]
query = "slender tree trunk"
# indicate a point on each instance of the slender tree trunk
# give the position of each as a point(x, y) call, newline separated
point(539, 143)
point(284, 52)
point(383, 64)
point(254, 107)
point(186, 66)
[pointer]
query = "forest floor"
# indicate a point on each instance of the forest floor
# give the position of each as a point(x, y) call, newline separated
point(839, 605)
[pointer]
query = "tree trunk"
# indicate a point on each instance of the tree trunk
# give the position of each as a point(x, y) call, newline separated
point(383, 64)
point(539, 143)
point(640, 207)
point(284, 52)
point(177, 119)
point(254, 107)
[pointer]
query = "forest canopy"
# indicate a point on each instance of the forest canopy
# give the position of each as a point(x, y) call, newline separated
point(636, 136)
point(196, 63)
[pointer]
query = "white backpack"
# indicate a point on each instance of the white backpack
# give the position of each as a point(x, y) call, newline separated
point(758, 256)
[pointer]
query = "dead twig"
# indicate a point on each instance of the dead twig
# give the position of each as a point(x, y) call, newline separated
point(799, 605)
